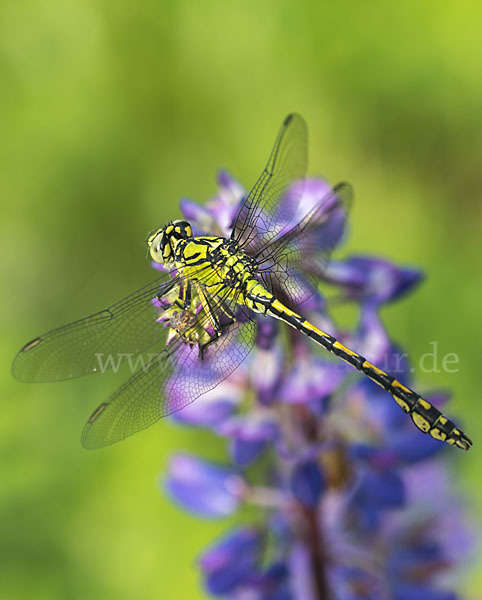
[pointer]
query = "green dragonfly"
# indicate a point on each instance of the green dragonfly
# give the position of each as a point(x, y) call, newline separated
point(199, 319)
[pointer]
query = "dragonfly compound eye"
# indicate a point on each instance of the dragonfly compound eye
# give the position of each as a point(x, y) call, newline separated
point(162, 242)
point(157, 244)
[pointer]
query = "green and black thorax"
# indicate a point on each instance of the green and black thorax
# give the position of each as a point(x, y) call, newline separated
point(213, 261)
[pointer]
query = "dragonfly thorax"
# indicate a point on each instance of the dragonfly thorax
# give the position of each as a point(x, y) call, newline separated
point(162, 242)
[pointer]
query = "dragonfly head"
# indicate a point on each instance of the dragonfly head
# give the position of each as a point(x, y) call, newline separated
point(162, 242)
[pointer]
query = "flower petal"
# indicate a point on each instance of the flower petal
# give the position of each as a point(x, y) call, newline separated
point(380, 489)
point(411, 447)
point(204, 488)
point(212, 408)
point(307, 483)
point(245, 452)
point(311, 379)
point(371, 278)
point(406, 591)
point(232, 561)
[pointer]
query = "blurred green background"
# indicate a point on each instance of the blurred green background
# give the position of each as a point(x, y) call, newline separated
point(109, 113)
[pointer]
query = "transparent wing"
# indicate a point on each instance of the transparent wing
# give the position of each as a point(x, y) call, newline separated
point(126, 328)
point(172, 379)
point(292, 264)
point(271, 205)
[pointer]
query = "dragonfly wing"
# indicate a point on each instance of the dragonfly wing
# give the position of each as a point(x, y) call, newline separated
point(172, 379)
point(292, 264)
point(125, 329)
point(271, 204)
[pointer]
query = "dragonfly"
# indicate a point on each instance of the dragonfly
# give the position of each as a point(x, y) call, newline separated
point(199, 318)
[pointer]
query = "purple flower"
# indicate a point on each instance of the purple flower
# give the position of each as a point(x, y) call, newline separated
point(307, 483)
point(311, 379)
point(219, 213)
point(265, 372)
point(233, 562)
point(369, 279)
point(249, 436)
point(204, 488)
point(355, 502)
point(213, 407)
point(379, 489)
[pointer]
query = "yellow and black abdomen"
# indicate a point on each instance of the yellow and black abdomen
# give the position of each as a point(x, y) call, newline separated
point(425, 416)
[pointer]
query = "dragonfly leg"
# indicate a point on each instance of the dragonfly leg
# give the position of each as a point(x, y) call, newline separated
point(214, 320)
point(229, 314)
point(203, 347)
point(184, 300)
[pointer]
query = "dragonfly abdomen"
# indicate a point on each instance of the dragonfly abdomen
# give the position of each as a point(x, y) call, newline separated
point(424, 415)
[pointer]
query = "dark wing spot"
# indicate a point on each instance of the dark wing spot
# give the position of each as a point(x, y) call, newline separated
point(100, 409)
point(31, 345)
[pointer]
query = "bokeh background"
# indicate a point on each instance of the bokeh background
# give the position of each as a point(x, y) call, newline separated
point(109, 113)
